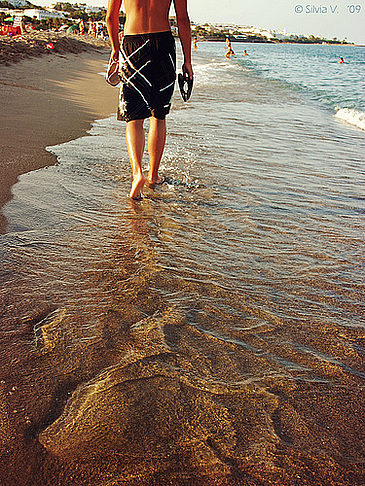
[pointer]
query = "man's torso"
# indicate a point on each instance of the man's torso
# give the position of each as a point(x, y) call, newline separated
point(146, 16)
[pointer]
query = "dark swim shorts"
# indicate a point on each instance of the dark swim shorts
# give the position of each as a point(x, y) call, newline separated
point(148, 75)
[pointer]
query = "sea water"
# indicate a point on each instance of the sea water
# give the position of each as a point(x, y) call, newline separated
point(215, 329)
point(312, 70)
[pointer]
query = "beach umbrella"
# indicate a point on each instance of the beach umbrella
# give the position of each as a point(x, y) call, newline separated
point(72, 29)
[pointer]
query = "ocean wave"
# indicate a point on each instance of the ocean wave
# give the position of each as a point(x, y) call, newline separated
point(215, 71)
point(352, 116)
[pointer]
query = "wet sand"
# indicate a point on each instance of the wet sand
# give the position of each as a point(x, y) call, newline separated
point(45, 101)
point(108, 382)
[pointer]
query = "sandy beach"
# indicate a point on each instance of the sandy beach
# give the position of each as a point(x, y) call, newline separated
point(46, 100)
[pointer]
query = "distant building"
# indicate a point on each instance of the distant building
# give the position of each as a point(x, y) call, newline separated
point(245, 32)
point(279, 36)
point(43, 14)
point(263, 32)
point(12, 13)
point(34, 12)
point(19, 3)
point(92, 10)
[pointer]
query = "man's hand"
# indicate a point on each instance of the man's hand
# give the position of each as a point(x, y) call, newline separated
point(115, 55)
point(183, 26)
point(188, 69)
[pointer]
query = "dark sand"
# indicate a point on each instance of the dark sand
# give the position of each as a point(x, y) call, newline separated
point(110, 385)
point(45, 101)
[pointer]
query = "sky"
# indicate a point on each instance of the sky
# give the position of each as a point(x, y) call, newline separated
point(326, 18)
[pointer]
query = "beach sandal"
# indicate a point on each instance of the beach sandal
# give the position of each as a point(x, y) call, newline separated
point(185, 85)
point(112, 76)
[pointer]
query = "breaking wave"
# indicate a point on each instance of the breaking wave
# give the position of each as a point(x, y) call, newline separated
point(352, 116)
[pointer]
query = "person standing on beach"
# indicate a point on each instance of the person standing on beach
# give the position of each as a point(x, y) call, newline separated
point(81, 27)
point(148, 76)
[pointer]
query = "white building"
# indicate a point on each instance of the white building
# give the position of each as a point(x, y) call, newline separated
point(263, 32)
point(19, 3)
point(91, 10)
point(279, 36)
point(43, 14)
point(12, 13)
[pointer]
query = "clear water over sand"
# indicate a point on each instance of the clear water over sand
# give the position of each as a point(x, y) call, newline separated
point(212, 333)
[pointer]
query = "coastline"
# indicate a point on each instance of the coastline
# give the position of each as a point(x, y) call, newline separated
point(240, 41)
point(34, 91)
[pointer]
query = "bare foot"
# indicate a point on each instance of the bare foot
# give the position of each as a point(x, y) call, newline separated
point(137, 186)
point(152, 182)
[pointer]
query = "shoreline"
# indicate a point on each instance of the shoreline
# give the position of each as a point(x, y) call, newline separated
point(34, 91)
point(238, 41)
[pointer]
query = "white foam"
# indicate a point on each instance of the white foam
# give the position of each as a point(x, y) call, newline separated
point(352, 116)
point(213, 72)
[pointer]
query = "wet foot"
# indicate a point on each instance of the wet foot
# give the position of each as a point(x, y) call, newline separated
point(137, 186)
point(154, 182)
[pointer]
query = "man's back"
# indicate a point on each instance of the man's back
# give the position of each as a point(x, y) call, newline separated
point(146, 16)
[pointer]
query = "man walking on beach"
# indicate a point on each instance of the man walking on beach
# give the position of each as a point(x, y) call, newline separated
point(148, 76)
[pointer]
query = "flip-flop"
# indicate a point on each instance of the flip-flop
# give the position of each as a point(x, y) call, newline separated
point(185, 85)
point(112, 76)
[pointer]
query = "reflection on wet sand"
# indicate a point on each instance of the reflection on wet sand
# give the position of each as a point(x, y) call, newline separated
point(122, 368)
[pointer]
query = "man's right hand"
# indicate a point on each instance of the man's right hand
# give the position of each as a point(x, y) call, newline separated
point(115, 55)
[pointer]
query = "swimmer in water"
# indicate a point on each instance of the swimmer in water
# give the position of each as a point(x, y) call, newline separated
point(245, 53)
point(341, 61)
point(230, 51)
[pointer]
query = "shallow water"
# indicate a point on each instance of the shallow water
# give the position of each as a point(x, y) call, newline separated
point(212, 333)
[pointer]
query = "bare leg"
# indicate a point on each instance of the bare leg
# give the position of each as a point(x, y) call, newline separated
point(156, 145)
point(134, 134)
